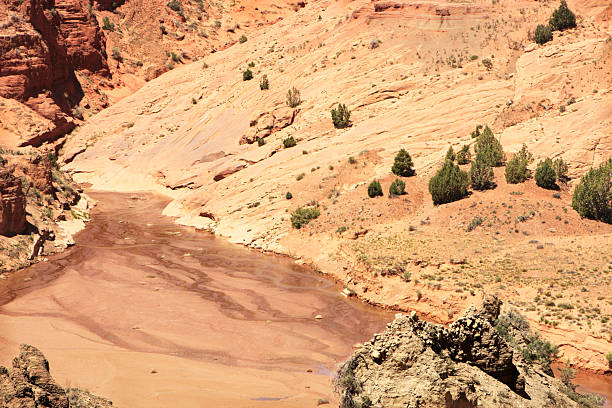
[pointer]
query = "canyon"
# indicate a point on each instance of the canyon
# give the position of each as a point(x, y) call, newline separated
point(189, 100)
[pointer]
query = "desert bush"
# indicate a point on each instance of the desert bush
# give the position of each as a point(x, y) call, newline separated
point(545, 175)
point(288, 196)
point(593, 195)
point(242, 39)
point(261, 141)
point(397, 187)
point(490, 148)
point(516, 169)
point(481, 173)
point(476, 221)
point(375, 189)
point(352, 160)
point(487, 64)
point(543, 34)
point(303, 215)
point(464, 156)
point(562, 18)
point(264, 83)
point(340, 116)
point(448, 184)
point(476, 132)
point(107, 25)
point(116, 54)
point(402, 165)
point(560, 168)
point(539, 350)
point(293, 97)
point(247, 75)
point(450, 154)
point(289, 142)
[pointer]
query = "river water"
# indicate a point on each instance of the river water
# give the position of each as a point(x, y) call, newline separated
point(151, 314)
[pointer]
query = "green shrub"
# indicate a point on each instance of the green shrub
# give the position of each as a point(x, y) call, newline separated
point(476, 132)
point(247, 75)
point(303, 215)
point(464, 156)
point(288, 196)
point(176, 6)
point(560, 168)
point(116, 54)
point(490, 148)
point(543, 34)
point(261, 141)
point(593, 195)
point(375, 189)
point(448, 184)
point(289, 142)
point(539, 350)
point(562, 18)
point(402, 165)
point(251, 64)
point(398, 187)
point(476, 221)
point(176, 57)
point(243, 39)
point(264, 83)
point(293, 97)
point(107, 25)
point(516, 169)
point(481, 173)
point(450, 154)
point(545, 175)
point(340, 116)
point(352, 160)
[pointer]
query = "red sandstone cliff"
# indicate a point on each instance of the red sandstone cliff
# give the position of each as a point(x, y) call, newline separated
point(42, 42)
point(12, 204)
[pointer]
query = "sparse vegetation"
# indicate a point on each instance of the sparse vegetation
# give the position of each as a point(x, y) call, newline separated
point(293, 97)
point(242, 39)
point(402, 165)
point(464, 156)
point(289, 142)
point(593, 195)
point(247, 75)
point(481, 174)
point(562, 18)
point(545, 175)
point(489, 148)
point(516, 169)
point(560, 168)
point(303, 215)
point(264, 83)
point(449, 183)
point(397, 187)
point(375, 189)
point(476, 221)
point(542, 34)
point(288, 196)
point(340, 116)
point(107, 24)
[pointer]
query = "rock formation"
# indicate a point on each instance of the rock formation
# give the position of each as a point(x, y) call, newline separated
point(29, 384)
point(468, 364)
point(41, 45)
point(12, 204)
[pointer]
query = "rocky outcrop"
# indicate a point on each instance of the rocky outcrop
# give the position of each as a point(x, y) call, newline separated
point(29, 384)
point(42, 42)
point(264, 124)
point(12, 204)
point(468, 364)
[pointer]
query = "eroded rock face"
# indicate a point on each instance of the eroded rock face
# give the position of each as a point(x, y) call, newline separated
point(12, 204)
point(29, 384)
point(420, 364)
point(264, 124)
point(42, 42)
